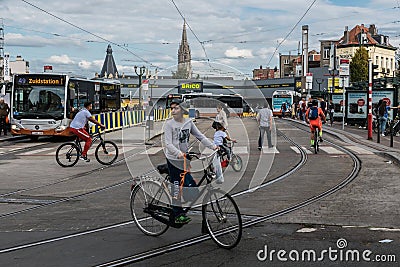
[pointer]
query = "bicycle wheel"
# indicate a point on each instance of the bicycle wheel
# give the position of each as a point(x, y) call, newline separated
point(222, 218)
point(143, 194)
point(316, 141)
point(67, 155)
point(106, 152)
point(236, 162)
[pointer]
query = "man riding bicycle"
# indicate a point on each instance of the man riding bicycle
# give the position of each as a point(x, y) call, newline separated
point(78, 124)
point(314, 114)
point(176, 137)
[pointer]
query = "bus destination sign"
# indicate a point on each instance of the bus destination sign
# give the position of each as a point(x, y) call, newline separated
point(42, 80)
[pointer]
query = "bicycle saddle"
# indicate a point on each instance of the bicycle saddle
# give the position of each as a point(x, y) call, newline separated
point(163, 168)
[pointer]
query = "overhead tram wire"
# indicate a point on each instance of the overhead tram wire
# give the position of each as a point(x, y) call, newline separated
point(93, 34)
point(290, 32)
point(190, 28)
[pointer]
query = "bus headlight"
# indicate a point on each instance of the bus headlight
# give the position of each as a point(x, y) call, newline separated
point(14, 127)
point(61, 128)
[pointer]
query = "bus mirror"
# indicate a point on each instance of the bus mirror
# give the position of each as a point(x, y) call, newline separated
point(71, 94)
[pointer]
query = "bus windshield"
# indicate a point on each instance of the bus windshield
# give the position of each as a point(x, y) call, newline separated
point(45, 102)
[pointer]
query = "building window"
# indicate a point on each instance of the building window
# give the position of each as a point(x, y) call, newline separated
point(327, 53)
point(286, 61)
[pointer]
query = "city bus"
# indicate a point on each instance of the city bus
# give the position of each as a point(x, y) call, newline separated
point(205, 104)
point(43, 104)
point(283, 96)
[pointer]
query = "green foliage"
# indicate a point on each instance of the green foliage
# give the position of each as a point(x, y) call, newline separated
point(359, 66)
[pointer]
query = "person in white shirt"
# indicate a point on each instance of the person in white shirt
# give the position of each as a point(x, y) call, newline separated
point(78, 124)
point(264, 119)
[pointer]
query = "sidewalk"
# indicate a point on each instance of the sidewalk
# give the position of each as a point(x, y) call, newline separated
point(353, 134)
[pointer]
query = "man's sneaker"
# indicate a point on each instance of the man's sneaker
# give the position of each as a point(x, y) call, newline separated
point(85, 158)
point(182, 219)
point(383, 134)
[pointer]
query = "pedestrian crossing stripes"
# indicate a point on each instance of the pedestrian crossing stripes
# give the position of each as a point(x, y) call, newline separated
point(151, 151)
point(240, 150)
point(272, 150)
point(360, 150)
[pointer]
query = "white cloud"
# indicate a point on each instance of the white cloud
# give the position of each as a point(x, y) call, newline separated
point(238, 53)
point(63, 59)
point(85, 64)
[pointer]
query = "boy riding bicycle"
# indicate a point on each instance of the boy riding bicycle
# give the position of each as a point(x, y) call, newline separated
point(78, 124)
point(314, 114)
point(176, 137)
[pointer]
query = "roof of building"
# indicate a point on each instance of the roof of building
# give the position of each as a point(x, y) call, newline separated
point(109, 67)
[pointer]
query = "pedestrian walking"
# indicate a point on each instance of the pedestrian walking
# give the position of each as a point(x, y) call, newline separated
point(4, 111)
point(383, 111)
point(283, 109)
point(322, 105)
point(221, 117)
point(264, 120)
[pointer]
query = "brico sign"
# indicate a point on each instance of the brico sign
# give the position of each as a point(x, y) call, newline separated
point(190, 87)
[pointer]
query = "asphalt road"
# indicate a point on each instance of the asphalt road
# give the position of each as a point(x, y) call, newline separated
point(80, 216)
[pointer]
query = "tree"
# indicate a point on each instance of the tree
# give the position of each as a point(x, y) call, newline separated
point(359, 66)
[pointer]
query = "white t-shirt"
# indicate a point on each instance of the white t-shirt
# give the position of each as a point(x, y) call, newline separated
point(80, 119)
point(264, 116)
point(219, 137)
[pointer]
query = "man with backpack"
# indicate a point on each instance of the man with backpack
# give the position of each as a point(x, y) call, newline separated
point(314, 114)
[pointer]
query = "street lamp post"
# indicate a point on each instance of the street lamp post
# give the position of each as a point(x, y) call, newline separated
point(140, 74)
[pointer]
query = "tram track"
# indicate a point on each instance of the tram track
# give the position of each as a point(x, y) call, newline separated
point(4, 197)
point(253, 220)
point(260, 219)
point(184, 243)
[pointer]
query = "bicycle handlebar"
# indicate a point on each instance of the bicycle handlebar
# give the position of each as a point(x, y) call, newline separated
point(191, 155)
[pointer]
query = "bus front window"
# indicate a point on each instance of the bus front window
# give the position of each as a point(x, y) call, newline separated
point(39, 102)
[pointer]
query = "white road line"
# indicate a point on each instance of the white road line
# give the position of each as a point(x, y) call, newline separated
point(330, 150)
point(151, 151)
point(240, 150)
point(307, 150)
point(360, 150)
point(267, 150)
point(36, 151)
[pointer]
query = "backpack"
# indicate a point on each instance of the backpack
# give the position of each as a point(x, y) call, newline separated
point(313, 113)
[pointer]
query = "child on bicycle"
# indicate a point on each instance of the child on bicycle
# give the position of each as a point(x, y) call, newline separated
point(176, 138)
point(220, 139)
point(314, 114)
point(78, 124)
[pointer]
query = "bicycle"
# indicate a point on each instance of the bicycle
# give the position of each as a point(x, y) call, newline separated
point(151, 206)
point(316, 140)
point(229, 158)
point(67, 154)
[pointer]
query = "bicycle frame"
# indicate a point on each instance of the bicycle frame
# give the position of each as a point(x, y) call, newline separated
point(208, 176)
point(95, 136)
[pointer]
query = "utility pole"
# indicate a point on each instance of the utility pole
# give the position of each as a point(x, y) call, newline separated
point(140, 74)
point(369, 99)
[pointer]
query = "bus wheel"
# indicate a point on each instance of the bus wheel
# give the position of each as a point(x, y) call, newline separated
point(197, 114)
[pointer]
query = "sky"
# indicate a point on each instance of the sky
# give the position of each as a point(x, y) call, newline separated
point(225, 36)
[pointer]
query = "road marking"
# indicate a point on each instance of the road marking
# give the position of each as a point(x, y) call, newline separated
point(151, 151)
point(330, 150)
point(272, 150)
point(295, 149)
point(240, 150)
point(36, 151)
point(360, 150)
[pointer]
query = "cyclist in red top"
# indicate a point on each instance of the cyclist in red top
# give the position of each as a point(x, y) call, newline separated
point(315, 121)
